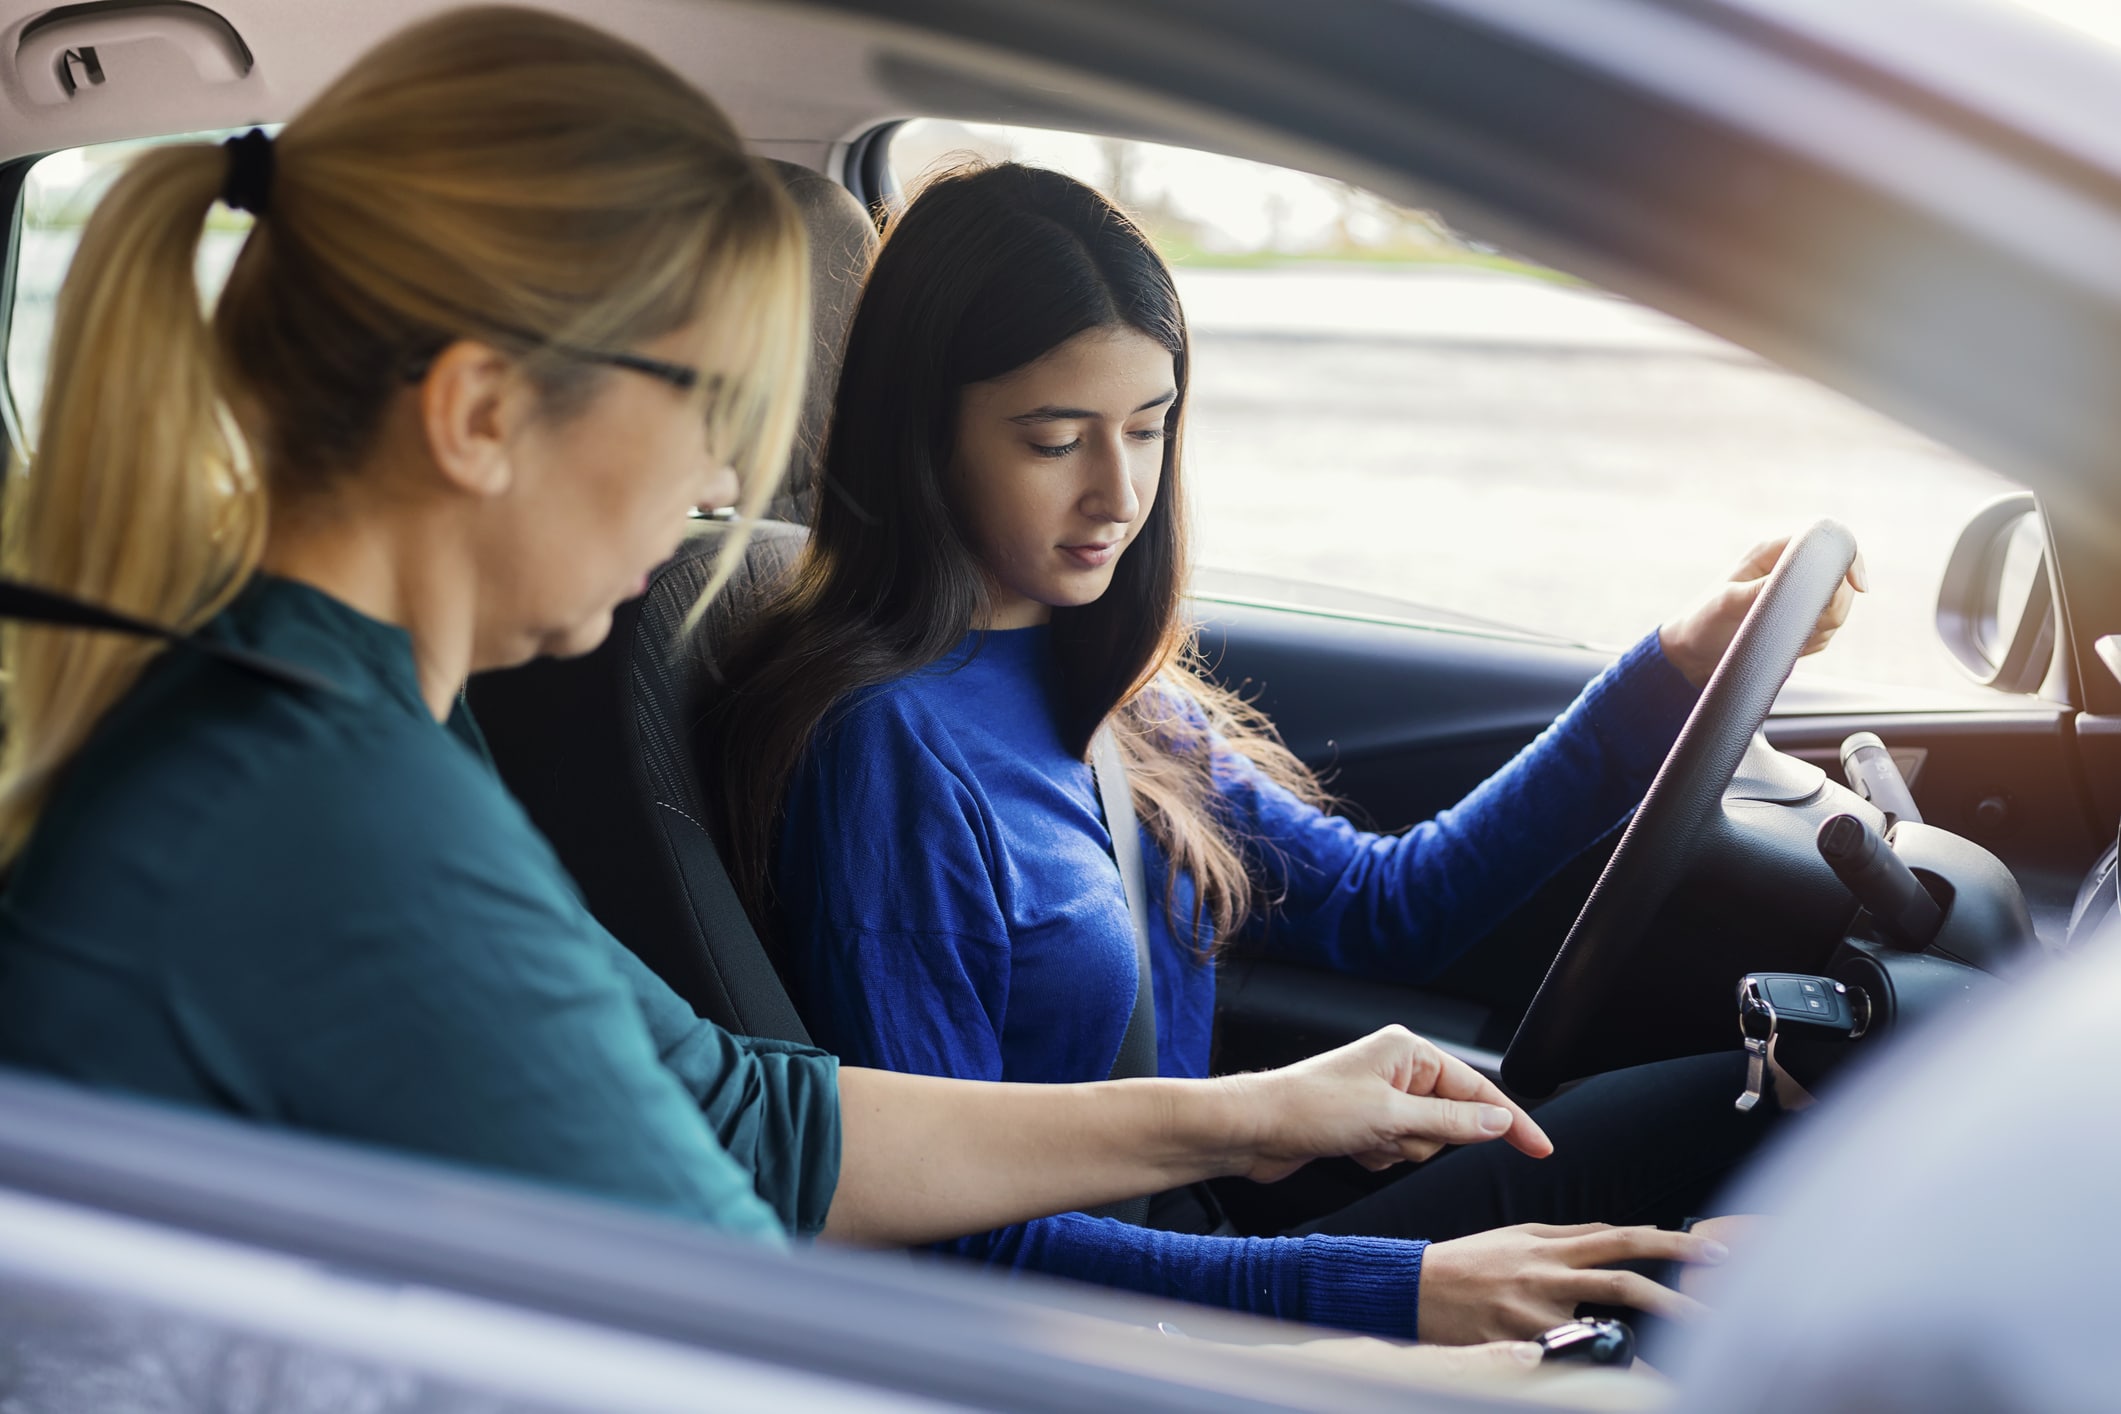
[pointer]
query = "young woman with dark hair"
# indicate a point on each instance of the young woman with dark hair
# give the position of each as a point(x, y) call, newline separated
point(994, 576)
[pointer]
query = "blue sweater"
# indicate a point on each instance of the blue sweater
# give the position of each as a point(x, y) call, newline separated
point(951, 907)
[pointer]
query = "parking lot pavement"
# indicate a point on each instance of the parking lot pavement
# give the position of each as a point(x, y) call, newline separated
point(1546, 456)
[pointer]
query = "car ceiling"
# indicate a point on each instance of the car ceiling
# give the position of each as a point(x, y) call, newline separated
point(1903, 221)
point(787, 78)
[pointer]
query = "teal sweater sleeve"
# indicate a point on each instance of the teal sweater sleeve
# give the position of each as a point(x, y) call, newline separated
point(772, 1105)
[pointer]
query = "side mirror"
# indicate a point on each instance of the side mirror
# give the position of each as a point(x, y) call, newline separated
point(1996, 608)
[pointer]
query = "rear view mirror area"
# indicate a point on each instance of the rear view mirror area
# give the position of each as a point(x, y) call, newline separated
point(1996, 607)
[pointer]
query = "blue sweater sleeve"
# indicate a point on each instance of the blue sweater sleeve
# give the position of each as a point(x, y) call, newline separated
point(1403, 907)
point(902, 952)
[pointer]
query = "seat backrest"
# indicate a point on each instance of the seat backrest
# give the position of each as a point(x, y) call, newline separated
point(597, 749)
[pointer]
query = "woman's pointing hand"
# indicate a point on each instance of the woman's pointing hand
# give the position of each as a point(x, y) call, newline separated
point(1386, 1099)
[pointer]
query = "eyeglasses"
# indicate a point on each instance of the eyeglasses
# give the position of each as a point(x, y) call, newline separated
point(678, 375)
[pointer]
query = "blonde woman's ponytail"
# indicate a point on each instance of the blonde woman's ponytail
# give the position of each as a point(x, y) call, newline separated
point(139, 493)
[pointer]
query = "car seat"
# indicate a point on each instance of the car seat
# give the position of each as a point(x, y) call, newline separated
point(596, 748)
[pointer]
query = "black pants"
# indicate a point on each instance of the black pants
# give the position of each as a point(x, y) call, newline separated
point(1651, 1144)
point(1648, 1145)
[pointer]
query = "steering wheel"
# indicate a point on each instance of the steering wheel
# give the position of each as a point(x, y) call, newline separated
point(1606, 949)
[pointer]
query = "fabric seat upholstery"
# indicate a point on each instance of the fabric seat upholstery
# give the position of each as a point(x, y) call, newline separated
point(842, 241)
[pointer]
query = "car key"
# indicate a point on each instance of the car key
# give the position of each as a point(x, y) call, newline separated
point(1793, 1004)
point(1593, 1342)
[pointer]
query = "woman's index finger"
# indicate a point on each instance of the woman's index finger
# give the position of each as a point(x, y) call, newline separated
point(1459, 1081)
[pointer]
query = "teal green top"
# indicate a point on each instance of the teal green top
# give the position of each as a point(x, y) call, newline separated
point(323, 910)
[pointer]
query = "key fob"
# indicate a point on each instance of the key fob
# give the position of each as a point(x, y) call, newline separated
point(1817, 1007)
point(1798, 1007)
point(1588, 1342)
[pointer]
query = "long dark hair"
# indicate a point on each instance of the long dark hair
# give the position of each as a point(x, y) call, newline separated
point(987, 270)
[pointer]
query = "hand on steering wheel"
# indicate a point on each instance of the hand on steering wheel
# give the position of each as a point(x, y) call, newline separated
point(1695, 642)
point(1569, 1030)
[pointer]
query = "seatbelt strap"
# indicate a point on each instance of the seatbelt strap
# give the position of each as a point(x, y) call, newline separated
point(1137, 1048)
point(25, 603)
point(754, 1000)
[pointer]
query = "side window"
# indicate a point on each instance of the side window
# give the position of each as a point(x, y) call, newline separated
point(1388, 416)
point(57, 196)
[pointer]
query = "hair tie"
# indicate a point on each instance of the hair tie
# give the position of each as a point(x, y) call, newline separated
point(250, 165)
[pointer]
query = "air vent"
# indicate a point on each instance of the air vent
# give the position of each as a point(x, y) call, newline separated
point(77, 51)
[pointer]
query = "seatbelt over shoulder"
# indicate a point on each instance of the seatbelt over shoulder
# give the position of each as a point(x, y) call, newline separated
point(27, 604)
point(1137, 1049)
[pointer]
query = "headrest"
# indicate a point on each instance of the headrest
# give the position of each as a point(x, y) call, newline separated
point(842, 241)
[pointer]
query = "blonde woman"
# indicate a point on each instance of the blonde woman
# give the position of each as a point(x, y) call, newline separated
point(515, 301)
